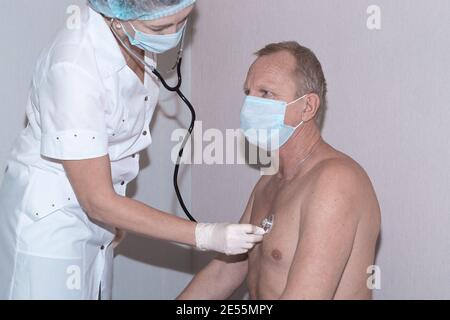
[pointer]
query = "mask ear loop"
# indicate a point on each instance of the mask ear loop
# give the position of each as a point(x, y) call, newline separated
point(127, 48)
point(135, 32)
point(302, 122)
point(133, 27)
point(297, 99)
point(120, 26)
point(298, 126)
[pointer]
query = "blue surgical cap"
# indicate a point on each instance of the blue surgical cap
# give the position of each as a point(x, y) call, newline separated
point(139, 9)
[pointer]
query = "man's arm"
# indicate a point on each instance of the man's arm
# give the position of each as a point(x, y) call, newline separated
point(330, 219)
point(222, 276)
point(218, 280)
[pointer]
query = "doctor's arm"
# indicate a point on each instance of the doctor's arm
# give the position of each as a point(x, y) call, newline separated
point(73, 106)
point(92, 182)
point(222, 276)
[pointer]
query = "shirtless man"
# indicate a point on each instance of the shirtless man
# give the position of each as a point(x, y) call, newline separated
point(326, 214)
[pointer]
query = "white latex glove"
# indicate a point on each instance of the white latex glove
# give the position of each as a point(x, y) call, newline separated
point(230, 239)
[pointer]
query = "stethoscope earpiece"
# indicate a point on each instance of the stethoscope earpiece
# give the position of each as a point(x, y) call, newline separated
point(117, 25)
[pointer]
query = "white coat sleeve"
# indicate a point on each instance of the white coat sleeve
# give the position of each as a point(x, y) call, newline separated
point(72, 113)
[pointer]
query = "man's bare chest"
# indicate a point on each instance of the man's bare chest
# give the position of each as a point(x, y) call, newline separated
point(283, 203)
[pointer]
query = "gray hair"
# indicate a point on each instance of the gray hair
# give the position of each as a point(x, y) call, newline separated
point(309, 73)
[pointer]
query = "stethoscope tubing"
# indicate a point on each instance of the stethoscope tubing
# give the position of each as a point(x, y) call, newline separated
point(177, 89)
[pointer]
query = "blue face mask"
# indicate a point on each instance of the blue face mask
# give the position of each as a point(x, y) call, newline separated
point(262, 121)
point(156, 43)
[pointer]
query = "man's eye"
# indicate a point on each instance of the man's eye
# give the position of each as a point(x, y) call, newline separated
point(267, 94)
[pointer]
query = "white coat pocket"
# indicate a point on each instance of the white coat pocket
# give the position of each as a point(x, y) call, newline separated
point(46, 193)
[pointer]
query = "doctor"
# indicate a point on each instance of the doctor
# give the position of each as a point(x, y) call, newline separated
point(62, 200)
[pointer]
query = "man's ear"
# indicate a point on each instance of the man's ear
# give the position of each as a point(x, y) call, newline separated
point(312, 102)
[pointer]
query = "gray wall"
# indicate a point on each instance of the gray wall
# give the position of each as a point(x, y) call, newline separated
point(388, 108)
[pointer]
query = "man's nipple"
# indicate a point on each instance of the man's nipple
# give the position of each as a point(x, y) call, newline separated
point(276, 254)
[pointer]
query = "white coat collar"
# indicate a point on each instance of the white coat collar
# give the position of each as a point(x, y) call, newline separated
point(107, 51)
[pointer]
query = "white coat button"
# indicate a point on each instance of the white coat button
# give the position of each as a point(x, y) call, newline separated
point(102, 248)
point(144, 133)
point(122, 183)
point(146, 98)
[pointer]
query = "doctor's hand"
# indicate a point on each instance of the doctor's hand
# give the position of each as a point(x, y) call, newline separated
point(231, 239)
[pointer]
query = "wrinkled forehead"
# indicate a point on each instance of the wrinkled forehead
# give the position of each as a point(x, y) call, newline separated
point(274, 69)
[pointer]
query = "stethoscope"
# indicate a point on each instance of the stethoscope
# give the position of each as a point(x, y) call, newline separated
point(177, 89)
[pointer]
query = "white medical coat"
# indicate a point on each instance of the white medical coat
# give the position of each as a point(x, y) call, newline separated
point(84, 102)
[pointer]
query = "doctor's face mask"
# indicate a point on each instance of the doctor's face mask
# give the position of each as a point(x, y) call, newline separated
point(158, 35)
point(154, 42)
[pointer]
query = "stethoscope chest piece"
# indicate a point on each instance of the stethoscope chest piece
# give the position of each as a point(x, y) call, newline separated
point(267, 223)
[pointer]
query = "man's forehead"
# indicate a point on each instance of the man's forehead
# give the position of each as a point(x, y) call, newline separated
point(272, 68)
point(281, 60)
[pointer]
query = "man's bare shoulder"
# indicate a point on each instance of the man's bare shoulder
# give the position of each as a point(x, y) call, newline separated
point(341, 179)
point(339, 171)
